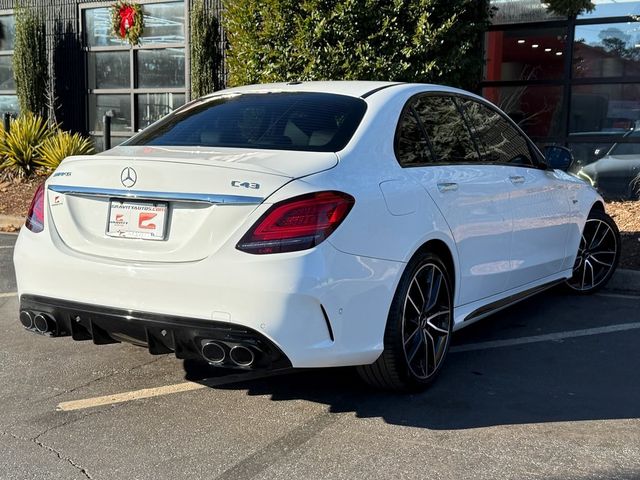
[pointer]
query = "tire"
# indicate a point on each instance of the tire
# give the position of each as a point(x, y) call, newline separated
point(598, 254)
point(415, 343)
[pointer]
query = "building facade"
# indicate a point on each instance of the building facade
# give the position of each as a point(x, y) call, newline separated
point(568, 81)
point(93, 73)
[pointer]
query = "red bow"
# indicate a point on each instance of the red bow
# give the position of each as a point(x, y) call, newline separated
point(127, 16)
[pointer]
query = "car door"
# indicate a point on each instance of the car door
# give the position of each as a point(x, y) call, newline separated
point(540, 199)
point(473, 197)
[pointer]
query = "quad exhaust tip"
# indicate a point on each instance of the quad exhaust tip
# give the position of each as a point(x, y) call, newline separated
point(242, 356)
point(26, 319)
point(213, 352)
point(44, 323)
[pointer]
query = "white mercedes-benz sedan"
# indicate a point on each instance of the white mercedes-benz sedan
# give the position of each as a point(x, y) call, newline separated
point(309, 225)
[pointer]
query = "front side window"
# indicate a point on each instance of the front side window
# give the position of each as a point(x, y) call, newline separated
point(446, 130)
point(498, 141)
point(319, 122)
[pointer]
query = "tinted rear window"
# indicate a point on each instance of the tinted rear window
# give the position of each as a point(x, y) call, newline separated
point(318, 122)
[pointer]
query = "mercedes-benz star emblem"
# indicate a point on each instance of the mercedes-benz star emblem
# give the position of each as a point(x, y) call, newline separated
point(128, 177)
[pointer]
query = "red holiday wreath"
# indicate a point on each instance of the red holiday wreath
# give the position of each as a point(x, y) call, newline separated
point(127, 21)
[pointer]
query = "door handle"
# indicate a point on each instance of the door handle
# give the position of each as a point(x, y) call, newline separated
point(447, 187)
point(516, 179)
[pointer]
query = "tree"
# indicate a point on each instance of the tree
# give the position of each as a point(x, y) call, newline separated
point(205, 52)
point(570, 8)
point(399, 40)
point(30, 67)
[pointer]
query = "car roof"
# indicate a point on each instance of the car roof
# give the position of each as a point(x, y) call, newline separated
point(351, 88)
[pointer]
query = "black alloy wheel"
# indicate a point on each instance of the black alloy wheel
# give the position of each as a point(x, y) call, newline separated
point(418, 329)
point(598, 254)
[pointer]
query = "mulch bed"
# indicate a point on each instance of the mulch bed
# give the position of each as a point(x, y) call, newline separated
point(15, 198)
point(627, 216)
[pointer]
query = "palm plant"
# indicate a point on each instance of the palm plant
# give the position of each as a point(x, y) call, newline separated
point(19, 146)
point(60, 146)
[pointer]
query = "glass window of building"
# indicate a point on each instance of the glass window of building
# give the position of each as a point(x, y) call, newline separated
point(588, 99)
point(8, 98)
point(525, 54)
point(604, 109)
point(613, 8)
point(134, 85)
point(607, 50)
point(519, 11)
point(537, 109)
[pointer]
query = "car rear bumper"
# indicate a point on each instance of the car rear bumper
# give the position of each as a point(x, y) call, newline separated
point(318, 308)
point(159, 333)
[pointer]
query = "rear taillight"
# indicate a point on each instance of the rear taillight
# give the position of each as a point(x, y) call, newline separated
point(297, 223)
point(35, 217)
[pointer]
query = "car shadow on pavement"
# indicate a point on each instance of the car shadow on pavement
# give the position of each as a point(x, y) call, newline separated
point(585, 378)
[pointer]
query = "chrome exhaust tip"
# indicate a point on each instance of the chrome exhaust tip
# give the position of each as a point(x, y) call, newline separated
point(26, 319)
point(44, 323)
point(213, 352)
point(242, 356)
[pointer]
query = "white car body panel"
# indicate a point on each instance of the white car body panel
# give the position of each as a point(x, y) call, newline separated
point(479, 214)
point(495, 235)
point(541, 224)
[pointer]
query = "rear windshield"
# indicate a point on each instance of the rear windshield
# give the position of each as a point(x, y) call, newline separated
point(317, 122)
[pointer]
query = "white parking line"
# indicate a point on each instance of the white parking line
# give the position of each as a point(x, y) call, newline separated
point(2, 247)
point(8, 294)
point(165, 390)
point(549, 337)
point(128, 396)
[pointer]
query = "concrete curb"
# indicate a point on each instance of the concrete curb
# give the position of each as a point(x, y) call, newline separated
point(625, 281)
point(11, 221)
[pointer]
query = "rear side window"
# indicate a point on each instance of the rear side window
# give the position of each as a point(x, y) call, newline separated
point(319, 122)
point(411, 144)
point(446, 130)
point(497, 140)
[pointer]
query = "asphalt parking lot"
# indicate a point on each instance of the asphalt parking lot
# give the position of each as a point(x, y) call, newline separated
point(547, 389)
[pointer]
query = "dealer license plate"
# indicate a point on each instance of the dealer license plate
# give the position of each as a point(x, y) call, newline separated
point(146, 220)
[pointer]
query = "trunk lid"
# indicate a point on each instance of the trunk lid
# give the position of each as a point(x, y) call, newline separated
point(202, 195)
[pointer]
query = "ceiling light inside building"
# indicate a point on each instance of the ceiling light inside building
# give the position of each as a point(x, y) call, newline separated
point(558, 53)
point(547, 49)
point(520, 41)
point(535, 45)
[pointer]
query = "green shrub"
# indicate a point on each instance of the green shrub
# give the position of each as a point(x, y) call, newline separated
point(19, 147)
point(61, 145)
point(400, 40)
point(205, 54)
point(30, 68)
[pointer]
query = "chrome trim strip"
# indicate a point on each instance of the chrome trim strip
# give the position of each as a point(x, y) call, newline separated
point(211, 198)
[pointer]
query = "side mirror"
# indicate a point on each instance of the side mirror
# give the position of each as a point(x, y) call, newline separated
point(559, 158)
